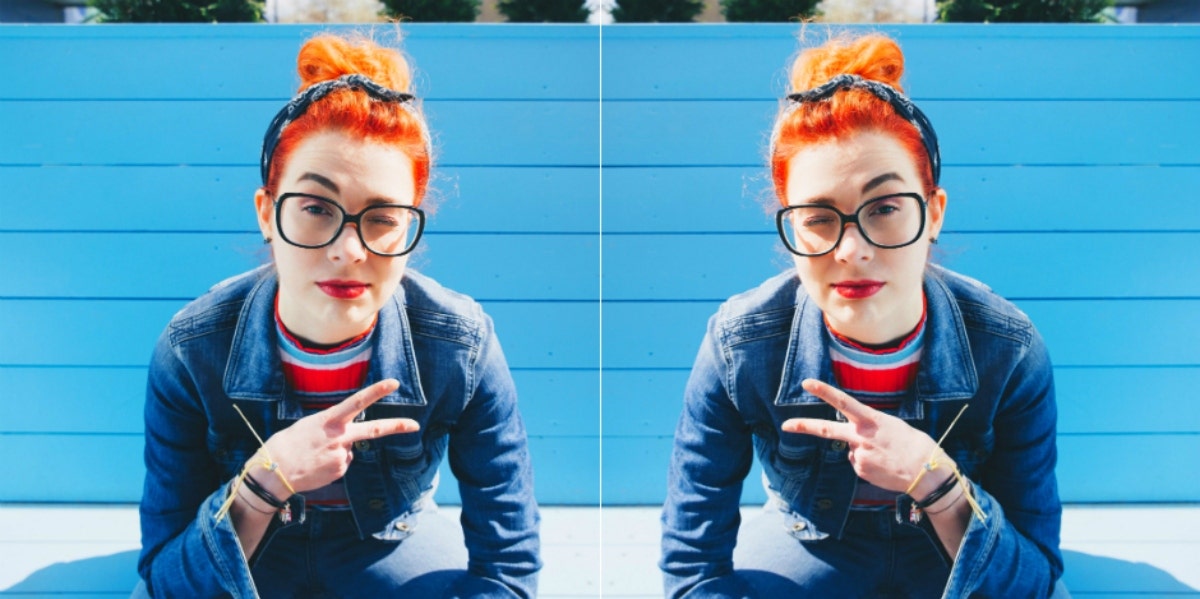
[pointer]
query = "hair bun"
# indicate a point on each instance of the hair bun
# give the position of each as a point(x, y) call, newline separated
point(327, 57)
point(874, 56)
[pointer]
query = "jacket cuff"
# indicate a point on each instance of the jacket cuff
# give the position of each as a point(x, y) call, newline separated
point(978, 545)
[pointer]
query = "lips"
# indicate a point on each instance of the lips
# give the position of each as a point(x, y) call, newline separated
point(857, 289)
point(340, 289)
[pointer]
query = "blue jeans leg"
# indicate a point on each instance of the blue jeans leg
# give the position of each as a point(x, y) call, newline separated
point(325, 558)
point(776, 564)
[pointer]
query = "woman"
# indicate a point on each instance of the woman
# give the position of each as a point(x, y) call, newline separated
point(357, 374)
point(903, 414)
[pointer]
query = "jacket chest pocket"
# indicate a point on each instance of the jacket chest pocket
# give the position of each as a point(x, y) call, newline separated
point(797, 454)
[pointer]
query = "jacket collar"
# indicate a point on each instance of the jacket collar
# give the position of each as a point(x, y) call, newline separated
point(947, 369)
point(254, 371)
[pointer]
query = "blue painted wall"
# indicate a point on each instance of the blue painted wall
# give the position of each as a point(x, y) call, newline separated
point(128, 162)
point(128, 156)
point(1070, 156)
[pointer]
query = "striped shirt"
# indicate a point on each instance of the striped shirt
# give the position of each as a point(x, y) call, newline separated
point(320, 378)
point(879, 377)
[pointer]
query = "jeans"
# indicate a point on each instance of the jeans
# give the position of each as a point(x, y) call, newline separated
point(877, 558)
point(324, 559)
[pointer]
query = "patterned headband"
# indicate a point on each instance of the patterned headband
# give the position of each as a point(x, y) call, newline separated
point(296, 107)
point(899, 102)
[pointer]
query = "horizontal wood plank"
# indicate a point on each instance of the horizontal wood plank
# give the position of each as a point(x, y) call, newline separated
point(109, 469)
point(981, 132)
point(725, 199)
point(1133, 469)
point(1078, 333)
point(1019, 265)
point(259, 61)
point(110, 401)
point(227, 132)
point(665, 335)
point(1005, 61)
point(221, 199)
point(86, 333)
point(185, 265)
point(1090, 400)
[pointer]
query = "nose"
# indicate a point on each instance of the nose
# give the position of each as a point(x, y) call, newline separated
point(852, 246)
point(347, 246)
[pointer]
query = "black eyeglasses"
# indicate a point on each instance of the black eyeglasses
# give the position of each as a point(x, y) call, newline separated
point(891, 221)
point(311, 221)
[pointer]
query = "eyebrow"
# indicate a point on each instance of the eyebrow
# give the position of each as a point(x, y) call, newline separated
point(320, 180)
point(880, 180)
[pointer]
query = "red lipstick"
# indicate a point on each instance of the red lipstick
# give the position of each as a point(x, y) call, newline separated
point(343, 289)
point(857, 289)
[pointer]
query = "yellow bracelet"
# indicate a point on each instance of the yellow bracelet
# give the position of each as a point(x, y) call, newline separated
point(932, 464)
point(269, 464)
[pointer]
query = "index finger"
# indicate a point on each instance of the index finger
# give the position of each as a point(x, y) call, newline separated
point(854, 410)
point(374, 429)
point(352, 406)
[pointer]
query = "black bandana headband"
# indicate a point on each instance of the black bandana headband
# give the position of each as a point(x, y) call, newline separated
point(899, 102)
point(296, 107)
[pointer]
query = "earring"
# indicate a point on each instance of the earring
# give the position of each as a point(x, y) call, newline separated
point(933, 240)
point(267, 241)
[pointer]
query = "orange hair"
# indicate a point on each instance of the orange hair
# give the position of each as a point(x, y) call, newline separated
point(326, 57)
point(873, 57)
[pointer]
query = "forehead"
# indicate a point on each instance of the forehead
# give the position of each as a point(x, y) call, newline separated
point(838, 169)
point(356, 166)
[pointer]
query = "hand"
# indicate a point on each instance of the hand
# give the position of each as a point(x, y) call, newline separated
point(884, 450)
point(317, 449)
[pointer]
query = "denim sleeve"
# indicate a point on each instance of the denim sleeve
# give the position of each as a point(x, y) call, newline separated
point(711, 457)
point(489, 456)
point(1015, 553)
point(186, 552)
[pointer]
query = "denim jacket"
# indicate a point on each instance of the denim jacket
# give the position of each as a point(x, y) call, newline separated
point(222, 350)
point(979, 349)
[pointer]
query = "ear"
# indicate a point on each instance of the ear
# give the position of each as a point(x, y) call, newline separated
point(937, 213)
point(265, 208)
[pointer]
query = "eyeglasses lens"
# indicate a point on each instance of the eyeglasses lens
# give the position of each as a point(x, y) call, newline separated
point(309, 221)
point(890, 221)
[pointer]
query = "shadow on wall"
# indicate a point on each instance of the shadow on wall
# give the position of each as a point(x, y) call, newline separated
point(1087, 574)
point(116, 575)
point(112, 575)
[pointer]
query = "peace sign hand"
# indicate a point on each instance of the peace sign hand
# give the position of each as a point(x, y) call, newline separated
point(318, 448)
point(884, 450)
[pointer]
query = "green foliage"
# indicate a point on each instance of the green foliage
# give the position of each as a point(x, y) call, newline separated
point(543, 11)
point(1023, 11)
point(766, 11)
point(178, 11)
point(657, 11)
point(425, 11)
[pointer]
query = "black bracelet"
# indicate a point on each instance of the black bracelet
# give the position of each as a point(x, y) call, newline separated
point(263, 493)
point(937, 493)
point(251, 503)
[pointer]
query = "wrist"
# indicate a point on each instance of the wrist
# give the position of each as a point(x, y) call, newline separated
point(269, 479)
point(945, 502)
point(249, 500)
point(931, 476)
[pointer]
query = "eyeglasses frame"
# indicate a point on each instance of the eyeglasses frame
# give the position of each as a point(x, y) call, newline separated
point(851, 218)
point(349, 218)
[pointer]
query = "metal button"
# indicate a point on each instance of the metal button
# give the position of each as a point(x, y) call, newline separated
point(824, 504)
point(799, 526)
point(362, 445)
point(377, 504)
point(839, 445)
point(402, 526)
